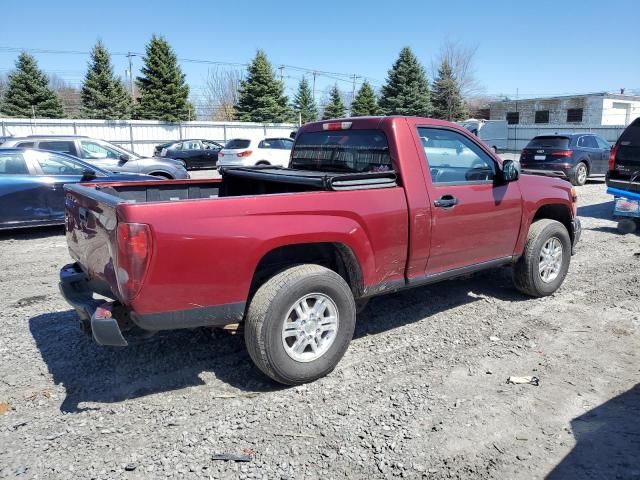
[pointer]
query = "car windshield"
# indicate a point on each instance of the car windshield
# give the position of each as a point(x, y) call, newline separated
point(549, 142)
point(237, 143)
point(631, 136)
point(342, 151)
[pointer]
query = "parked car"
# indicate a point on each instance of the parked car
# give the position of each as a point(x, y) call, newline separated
point(573, 156)
point(363, 210)
point(190, 153)
point(31, 185)
point(264, 151)
point(492, 132)
point(624, 160)
point(104, 155)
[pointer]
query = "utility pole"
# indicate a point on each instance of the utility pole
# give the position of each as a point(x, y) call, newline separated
point(353, 88)
point(281, 68)
point(314, 86)
point(515, 130)
point(129, 56)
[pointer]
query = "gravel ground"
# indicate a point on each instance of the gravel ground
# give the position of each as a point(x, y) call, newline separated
point(421, 393)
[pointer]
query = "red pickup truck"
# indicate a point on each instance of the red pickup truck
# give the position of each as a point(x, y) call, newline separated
point(368, 206)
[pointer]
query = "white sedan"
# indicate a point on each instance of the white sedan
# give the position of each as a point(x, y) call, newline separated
point(262, 151)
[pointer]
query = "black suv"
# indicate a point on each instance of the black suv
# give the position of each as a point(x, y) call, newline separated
point(624, 161)
point(574, 156)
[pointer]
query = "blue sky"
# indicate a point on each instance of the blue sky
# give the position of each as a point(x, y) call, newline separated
point(536, 47)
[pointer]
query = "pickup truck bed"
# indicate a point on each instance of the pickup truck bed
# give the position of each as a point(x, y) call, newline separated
point(368, 206)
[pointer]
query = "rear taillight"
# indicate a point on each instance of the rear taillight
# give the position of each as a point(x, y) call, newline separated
point(246, 153)
point(612, 158)
point(134, 253)
point(562, 153)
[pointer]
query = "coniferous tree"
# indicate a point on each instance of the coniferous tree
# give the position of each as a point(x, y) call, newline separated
point(365, 102)
point(262, 97)
point(163, 91)
point(446, 99)
point(28, 92)
point(103, 94)
point(407, 89)
point(303, 104)
point(335, 108)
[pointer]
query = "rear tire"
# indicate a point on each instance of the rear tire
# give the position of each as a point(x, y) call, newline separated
point(578, 176)
point(535, 264)
point(183, 163)
point(272, 315)
point(262, 162)
point(627, 225)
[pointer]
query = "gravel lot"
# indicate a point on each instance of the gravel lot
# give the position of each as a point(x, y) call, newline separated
point(421, 393)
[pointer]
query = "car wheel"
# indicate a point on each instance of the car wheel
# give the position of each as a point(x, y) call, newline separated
point(183, 163)
point(262, 162)
point(300, 323)
point(579, 175)
point(545, 261)
point(627, 225)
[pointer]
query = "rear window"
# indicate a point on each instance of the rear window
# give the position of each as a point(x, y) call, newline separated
point(237, 143)
point(342, 151)
point(631, 136)
point(58, 146)
point(549, 142)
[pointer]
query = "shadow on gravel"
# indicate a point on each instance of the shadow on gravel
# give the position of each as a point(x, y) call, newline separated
point(602, 211)
point(167, 361)
point(607, 441)
point(174, 360)
point(395, 310)
point(31, 233)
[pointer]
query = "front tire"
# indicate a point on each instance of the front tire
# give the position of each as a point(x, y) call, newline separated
point(579, 175)
point(544, 263)
point(300, 323)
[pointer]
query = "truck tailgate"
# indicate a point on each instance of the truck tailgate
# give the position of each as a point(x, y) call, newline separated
point(90, 224)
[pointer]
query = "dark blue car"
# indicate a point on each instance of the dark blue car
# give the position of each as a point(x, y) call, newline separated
point(574, 156)
point(31, 185)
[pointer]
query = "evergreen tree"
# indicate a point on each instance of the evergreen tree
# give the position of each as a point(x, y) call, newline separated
point(163, 91)
point(335, 108)
point(262, 97)
point(304, 104)
point(365, 103)
point(28, 91)
point(103, 94)
point(446, 99)
point(407, 89)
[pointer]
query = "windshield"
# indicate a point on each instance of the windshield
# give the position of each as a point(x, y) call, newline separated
point(342, 151)
point(549, 142)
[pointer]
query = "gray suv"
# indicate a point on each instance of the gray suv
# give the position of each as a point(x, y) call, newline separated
point(105, 155)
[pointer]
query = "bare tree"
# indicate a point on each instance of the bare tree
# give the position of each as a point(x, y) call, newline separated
point(68, 94)
point(221, 93)
point(461, 58)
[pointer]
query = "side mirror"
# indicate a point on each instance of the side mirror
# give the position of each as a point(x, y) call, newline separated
point(509, 171)
point(88, 174)
point(124, 157)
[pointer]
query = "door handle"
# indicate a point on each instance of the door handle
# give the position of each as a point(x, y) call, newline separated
point(446, 201)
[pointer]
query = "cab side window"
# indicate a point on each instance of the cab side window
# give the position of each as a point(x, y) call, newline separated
point(453, 158)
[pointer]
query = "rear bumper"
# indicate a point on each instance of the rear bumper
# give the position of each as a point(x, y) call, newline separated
point(107, 320)
point(95, 315)
point(561, 170)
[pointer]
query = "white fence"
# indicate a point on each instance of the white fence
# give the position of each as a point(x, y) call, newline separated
point(519, 135)
point(141, 135)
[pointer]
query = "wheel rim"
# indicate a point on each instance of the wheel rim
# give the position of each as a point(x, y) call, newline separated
point(582, 174)
point(550, 260)
point(184, 164)
point(310, 327)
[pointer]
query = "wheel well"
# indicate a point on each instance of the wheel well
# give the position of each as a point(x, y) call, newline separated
point(334, 256)
point(263, 162)
point(556, 212)
point(161, 174)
